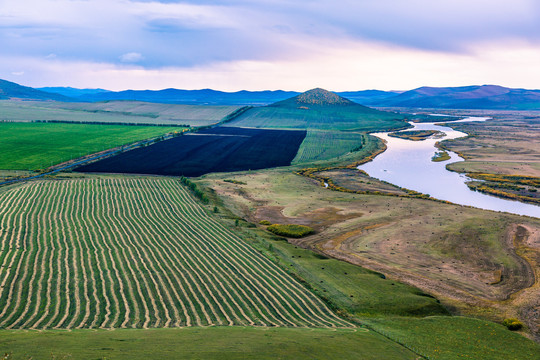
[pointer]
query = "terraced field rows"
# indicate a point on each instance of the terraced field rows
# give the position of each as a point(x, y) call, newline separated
point(140, 252)
point(324, 145)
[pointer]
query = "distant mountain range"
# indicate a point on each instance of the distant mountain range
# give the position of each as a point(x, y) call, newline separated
point(205, 96)
point(466, 97)
point(73, 92)
point(11, 90)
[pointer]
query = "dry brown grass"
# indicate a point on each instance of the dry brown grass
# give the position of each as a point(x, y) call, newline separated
point(459, 254)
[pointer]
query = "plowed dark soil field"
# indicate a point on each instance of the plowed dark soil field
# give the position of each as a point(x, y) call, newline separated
point(211, 150)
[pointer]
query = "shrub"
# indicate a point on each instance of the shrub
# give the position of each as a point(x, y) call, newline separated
point(265, 222)
point(512, 324)
point(235, 182)
point(194, 189)
point(294, 231)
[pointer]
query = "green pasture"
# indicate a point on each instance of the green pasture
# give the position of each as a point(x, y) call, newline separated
point(325, 145)
point(446, 338)
point(129, 112)
point(322, 118)
point(354, 290)
point(202, 343)
point(32, 146)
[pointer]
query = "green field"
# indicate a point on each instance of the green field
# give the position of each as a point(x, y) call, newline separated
point(323, 118)
point(447, 338)
point(325, 145)
point(350, 288)
point(131, 112)
point(380, 302)
point(202, 343)
point(32, 146)
point(135, 252)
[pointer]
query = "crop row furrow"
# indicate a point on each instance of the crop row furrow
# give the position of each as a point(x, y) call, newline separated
point(136, 252)
point(187, 240)
point(241, 248)
point(203, 236)
point(17, 278)
point(129, 262)
point(220, 288)
point(48, 250)
point(35, 234)
point(106, 238)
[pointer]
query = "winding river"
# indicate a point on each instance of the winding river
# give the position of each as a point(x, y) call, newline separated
point(408, 164)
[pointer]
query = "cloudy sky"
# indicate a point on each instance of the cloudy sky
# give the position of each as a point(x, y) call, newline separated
point(270, 44)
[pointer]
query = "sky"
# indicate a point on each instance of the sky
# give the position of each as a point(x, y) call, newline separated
point(230, 45)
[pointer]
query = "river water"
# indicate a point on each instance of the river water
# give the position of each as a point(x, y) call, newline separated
point(408, 164)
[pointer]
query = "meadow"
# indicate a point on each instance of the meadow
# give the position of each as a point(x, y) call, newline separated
point(324, 145)
point(211, 150)
point(330, 118)
point(135, 253)
point(202, 343)
point(448, 338)
point(506, 144)
point(416, 135)
point(33, 146)
point(424, 243)
point(130, 112)
point(145, 257)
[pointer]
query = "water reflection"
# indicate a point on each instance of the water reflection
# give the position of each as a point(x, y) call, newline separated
point(408, 164)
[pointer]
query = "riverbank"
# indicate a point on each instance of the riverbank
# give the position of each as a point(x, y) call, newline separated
point(408, 165)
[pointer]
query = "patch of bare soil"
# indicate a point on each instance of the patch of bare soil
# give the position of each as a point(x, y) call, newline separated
point(469, 278)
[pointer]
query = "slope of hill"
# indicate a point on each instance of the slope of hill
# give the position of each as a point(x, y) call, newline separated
point(204, 96)
point(466, 97)
point(11, 90)
point(72, 92)
point(315, 98)
point(208, 96)
point(368, 97)
point(319, 109)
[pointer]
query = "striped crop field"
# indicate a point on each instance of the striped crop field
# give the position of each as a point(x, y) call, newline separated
point(325, 145)
point(135, 252)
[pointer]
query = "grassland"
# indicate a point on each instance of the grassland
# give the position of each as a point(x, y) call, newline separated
point(331, 118)
point(31, 146)
point(516, 187)
point(476, 262)
point(441, 156)
point(132, 112)
point(203, 343)
point(417, 135)
point(325, 145)
point(316, 154)
point(135, 253)
point(355, 180)
point(506, 144)
point(445, 338)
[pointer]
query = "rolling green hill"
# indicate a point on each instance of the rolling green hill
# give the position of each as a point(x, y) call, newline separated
point(120, 112)
point(319, 109)
point(11, 90)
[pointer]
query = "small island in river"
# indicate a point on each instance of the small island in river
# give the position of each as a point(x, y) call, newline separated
point(416, 135)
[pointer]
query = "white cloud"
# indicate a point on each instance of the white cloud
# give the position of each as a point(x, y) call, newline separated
point(343, 66)
point(131, 57)
point(235, 44)
point(18, 73)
